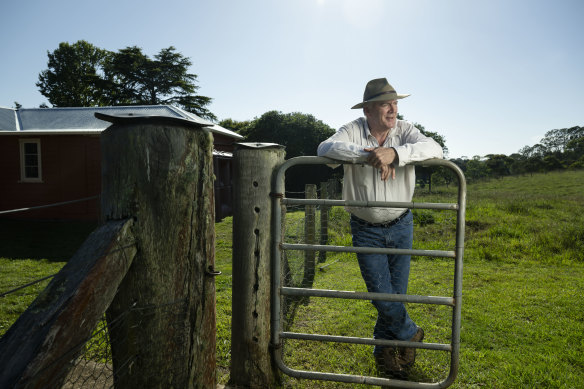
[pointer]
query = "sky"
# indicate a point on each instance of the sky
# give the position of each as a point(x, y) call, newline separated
point(491, 76)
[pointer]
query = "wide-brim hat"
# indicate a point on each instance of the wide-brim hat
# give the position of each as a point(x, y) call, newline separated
point(378, 90)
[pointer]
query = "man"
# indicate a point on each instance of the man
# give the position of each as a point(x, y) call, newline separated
point(383, 145)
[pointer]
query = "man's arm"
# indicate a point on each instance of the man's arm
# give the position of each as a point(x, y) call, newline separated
point(340, 146)
point(417, 147)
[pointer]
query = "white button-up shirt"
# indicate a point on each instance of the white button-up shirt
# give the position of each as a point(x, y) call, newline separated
point(362, 182)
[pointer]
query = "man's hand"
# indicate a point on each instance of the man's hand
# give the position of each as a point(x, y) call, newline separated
point(382, 158)
point(386, 171)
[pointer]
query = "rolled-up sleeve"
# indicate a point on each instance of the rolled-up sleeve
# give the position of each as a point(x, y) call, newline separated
point(340, 147)
point(416, 146)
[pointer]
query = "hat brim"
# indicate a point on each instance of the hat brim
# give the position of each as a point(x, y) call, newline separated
point(380, 98)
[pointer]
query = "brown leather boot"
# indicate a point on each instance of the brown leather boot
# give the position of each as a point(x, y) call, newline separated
point(388, 365)
point(406, 356)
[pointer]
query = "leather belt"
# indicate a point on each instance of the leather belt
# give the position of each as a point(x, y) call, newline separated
point(384, 225)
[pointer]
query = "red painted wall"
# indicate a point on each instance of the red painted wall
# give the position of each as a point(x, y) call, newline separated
point(71, 170)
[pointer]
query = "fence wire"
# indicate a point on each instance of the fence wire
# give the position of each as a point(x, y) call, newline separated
point(91, 364)
point(9, 211)
point(3, 294)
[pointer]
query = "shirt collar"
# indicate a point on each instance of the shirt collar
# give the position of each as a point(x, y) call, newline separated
point(366, 127)
point(368, 131)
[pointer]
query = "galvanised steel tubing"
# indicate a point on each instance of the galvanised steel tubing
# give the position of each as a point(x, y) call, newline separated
point(355, 340)
point(355, 203)
point(278, 193)
point(355, 379)
point(349, 295)
point(456, 312)
point(376, 250)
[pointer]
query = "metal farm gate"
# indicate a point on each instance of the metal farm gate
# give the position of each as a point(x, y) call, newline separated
point(279, 291)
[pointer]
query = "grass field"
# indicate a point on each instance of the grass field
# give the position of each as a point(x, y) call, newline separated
point(522, 314)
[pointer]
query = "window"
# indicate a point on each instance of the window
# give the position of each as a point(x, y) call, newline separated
point(30, 160)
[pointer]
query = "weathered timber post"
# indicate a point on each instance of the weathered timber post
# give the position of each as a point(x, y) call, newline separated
point(333, 188)
point(40, 348)
point(309, 236)
point(159, 172)
point(251, 363)
point(324, 211)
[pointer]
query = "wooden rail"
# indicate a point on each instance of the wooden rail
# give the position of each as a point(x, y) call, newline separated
point(31, 352)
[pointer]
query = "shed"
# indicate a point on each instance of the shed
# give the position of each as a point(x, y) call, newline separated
point(53, 155)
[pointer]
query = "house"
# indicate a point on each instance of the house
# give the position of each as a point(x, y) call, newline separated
point(52, 155)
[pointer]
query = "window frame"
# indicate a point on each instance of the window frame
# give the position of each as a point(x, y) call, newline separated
point(23, 166)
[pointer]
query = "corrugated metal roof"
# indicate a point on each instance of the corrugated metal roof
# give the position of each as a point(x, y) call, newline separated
point(7, 119)
point(83, 120)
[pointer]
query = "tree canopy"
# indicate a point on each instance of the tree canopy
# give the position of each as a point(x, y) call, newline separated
point(72, 78)
point(559, 149)
point(82, 75)
point(300, 133)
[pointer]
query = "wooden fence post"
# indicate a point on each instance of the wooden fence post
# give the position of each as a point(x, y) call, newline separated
point(159, 171)
point(324, 213)
point(309, 236)
point(251, 363)
point(333, 189)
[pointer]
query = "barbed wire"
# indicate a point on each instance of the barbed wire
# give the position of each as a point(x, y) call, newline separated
point(4, 294)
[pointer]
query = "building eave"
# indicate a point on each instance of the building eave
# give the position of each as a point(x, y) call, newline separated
point(52, 132)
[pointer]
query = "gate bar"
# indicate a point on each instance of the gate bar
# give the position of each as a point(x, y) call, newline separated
point(356, 340)
point(350, 295)
point(357, 203)
point(376, 250)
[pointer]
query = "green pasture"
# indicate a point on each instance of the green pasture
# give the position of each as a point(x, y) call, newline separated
point(522, 313)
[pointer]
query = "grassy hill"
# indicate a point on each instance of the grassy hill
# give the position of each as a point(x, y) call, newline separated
point(522, 315)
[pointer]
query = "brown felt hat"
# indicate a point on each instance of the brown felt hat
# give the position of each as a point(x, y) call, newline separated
point(378, 90)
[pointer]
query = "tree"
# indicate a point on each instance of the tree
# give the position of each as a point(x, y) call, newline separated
point(82, 75)
point(240, 127)
point(73, 76)
point(576, 147)
point(476, 169)
point(300, 134)
point(425, 173)
point(162, 80)
point(498, 164)
point(551, 162)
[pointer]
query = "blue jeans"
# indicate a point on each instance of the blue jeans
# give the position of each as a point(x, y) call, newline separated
point(385, 273)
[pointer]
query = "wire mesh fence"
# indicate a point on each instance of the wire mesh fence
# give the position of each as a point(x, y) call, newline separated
point(92, 364)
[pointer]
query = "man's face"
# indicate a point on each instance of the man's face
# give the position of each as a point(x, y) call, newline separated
point(382, 115)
